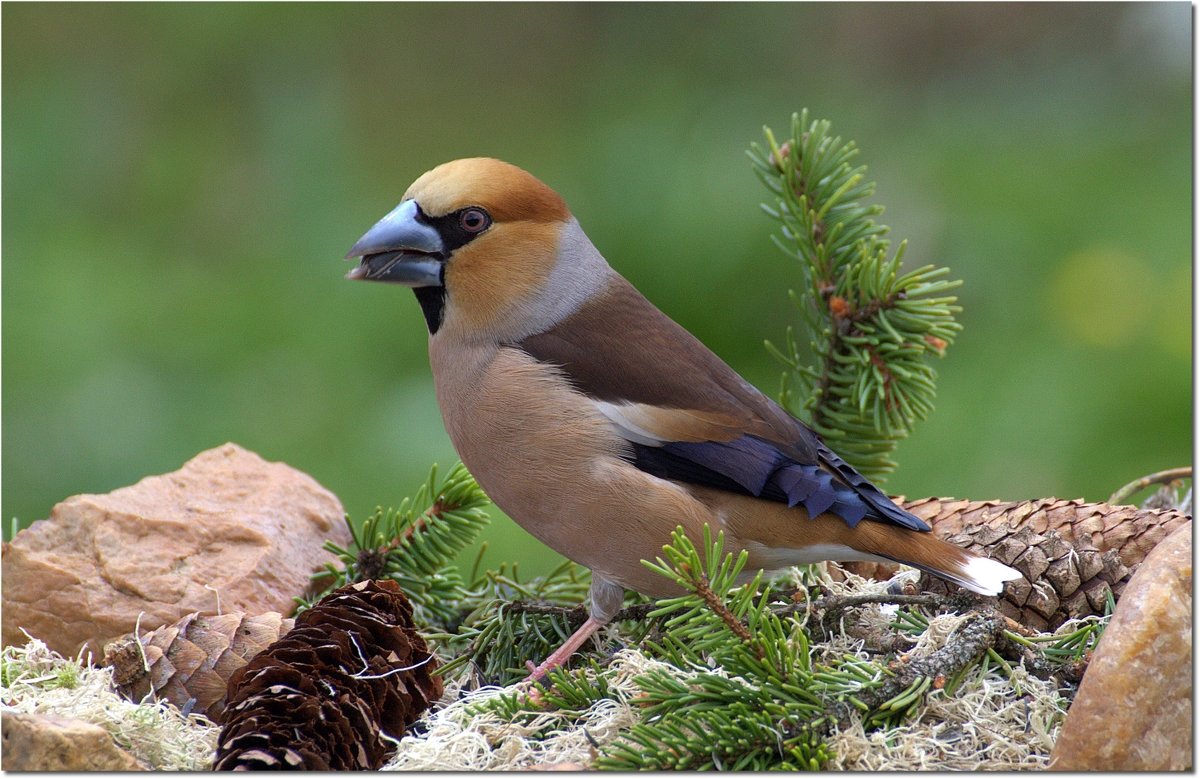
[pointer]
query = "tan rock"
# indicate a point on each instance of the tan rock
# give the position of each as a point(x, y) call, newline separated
point(1133, 711)
point(227, 532)
point(33, 742)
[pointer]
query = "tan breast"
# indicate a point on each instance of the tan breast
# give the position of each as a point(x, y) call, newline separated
point(545, 456)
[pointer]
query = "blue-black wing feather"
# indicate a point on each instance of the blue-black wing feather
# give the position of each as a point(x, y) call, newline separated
point(752, 466)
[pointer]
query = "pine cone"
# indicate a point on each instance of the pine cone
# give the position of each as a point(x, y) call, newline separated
point(1071, 553)
point(190, 662)
point(336, 692)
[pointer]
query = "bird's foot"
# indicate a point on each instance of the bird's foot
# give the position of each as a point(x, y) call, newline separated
point(564, 652)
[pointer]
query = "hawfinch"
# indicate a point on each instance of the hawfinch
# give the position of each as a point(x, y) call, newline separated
point(598, 423)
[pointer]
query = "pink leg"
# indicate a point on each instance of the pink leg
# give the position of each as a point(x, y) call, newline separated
point(564, 652)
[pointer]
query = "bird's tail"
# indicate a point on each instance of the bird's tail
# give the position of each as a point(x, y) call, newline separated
point(777, 536)
point(929, 553)
point(977, 574)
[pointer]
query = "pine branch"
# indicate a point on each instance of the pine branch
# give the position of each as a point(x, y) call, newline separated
point(416, 544)
point(707, 581)
point(756, 710)
point(736, 737)
point(865, 380)
point(504, 621)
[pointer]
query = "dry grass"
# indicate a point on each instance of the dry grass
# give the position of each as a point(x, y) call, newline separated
point(39, 681)
point(457, 740)
point(984, 725)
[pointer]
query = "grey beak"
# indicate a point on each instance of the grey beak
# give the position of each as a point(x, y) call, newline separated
point(400, 249)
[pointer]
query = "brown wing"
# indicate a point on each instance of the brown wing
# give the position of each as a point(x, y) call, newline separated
point(620, 350)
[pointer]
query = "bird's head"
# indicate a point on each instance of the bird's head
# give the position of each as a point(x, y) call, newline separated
point(489, 249)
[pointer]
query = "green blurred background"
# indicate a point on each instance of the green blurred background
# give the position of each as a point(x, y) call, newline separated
point(180, 183)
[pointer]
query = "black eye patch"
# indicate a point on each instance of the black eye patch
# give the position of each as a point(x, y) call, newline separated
point(460, 227)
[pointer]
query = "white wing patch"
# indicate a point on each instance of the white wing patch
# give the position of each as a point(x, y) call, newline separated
point(652, 425)
point(621, 416)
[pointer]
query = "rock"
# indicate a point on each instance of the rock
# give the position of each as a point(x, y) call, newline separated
point(227, 532)
point(33, 742)
point(1133, 711)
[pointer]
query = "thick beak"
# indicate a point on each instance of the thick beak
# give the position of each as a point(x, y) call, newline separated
point(400, 249)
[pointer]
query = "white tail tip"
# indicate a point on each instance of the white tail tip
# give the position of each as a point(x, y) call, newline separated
point(986, 577)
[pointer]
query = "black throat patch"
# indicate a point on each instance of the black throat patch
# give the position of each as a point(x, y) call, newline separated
point(433, 305)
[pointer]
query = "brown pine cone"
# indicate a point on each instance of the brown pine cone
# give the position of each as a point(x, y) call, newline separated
point(190, 662)
point(336, 692)
point(1071, 553)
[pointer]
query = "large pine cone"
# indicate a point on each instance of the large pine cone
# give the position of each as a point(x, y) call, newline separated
point(1071, 554)
point(336, 692)
point(189, 662)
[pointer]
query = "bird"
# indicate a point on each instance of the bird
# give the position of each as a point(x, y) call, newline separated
point(598, 423)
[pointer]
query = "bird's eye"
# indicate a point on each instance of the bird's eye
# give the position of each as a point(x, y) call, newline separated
point(474, 220)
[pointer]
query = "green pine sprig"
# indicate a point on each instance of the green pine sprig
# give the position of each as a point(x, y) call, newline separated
point(506, 621)
point(739, 736)
point(416, 545)
point(865, 379)
point(748, 703)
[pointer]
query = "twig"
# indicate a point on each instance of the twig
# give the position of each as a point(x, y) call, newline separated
point(875, 640)
point(577, 614)
point(573, 613)
point(1018, 628)
point(976, 635)
point(719, 608)
point(1036, 664)
point(833, 604)
point(1161, 477)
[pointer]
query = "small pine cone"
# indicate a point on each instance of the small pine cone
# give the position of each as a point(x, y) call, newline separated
point(189, 663)
point(336, 692)
point(1071, 554)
